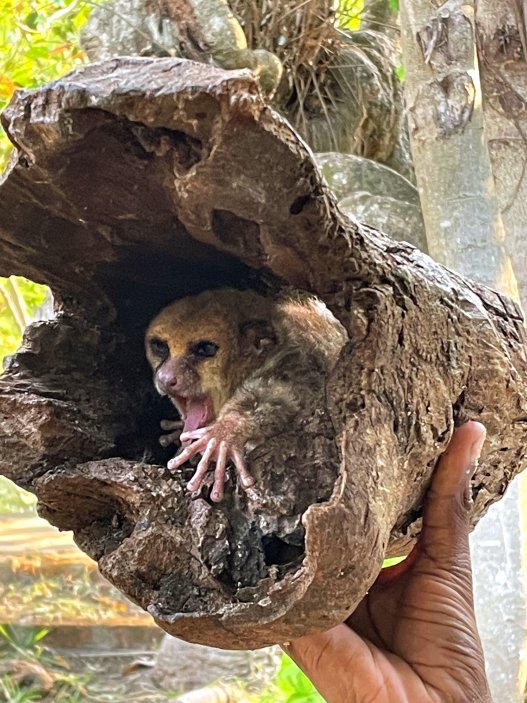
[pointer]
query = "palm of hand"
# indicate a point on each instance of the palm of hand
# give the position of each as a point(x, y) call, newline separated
point(413, 639)
point(419, 635)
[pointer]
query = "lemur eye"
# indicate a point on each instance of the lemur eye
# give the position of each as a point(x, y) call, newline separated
point(159, 348)
point(204, 349)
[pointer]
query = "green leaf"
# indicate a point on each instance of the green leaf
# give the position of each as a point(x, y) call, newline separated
point(295, 684)
point(6, 634)
point(349, 13)
point(32, 19)
point(392, 561)
point(39, 41)
point(399, 72)
point(40, 634)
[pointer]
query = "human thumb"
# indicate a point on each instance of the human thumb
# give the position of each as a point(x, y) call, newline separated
point(447, 504)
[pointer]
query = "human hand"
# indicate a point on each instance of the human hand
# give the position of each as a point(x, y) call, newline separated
point(413, 639)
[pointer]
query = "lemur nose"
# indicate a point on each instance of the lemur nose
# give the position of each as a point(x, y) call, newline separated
point(167, 378)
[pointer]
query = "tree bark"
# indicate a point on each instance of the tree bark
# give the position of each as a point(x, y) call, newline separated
point(501, 34)
point(502, 50)
point(468, 230)
point(453, 169)
point(499, 595)
point(137, 181)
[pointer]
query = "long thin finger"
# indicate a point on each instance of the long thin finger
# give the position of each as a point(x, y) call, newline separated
point(171, 424)
point(185, 455)
point(246, 479)
point(197, 479)
point(194, 434)
point(166, 439)
point(219, 473)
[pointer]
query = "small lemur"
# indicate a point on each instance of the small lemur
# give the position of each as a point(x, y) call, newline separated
point(237, 367)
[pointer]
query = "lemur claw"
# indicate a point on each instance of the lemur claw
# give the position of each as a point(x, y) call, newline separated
point(213, 447)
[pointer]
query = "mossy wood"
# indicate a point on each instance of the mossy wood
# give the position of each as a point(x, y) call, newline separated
point(137, 181)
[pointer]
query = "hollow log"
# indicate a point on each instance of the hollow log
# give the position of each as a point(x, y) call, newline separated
point(137, 181)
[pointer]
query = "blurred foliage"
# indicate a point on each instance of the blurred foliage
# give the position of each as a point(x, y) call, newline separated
point(19, 299)
point(39, 41)
point(349, 14)
point(58, 585)
point(294, 685)
point(31, 672)
point(14, 499)
point(392, 561)
point(23, 639)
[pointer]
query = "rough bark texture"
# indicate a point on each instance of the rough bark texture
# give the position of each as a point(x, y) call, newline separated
point(140, 180)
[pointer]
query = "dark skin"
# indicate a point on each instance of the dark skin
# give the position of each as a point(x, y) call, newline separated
point(413, 639)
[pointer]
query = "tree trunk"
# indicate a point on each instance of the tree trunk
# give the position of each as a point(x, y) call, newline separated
point(499, 595)
point(453, 169)
point(501, 32)
point(502, 51)
point(465, 231)
point(137, 181)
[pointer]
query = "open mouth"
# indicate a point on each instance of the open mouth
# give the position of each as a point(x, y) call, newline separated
point(195, 412)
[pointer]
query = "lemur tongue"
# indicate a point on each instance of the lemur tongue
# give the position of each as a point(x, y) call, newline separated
point(199, 413)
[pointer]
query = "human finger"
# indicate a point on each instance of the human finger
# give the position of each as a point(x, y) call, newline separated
point(447, 505)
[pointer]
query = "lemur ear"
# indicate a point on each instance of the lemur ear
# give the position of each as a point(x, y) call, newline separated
point(258, 335)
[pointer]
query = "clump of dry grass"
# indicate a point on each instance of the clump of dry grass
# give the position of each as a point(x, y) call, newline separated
point(294, 30)
point(334, 82)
